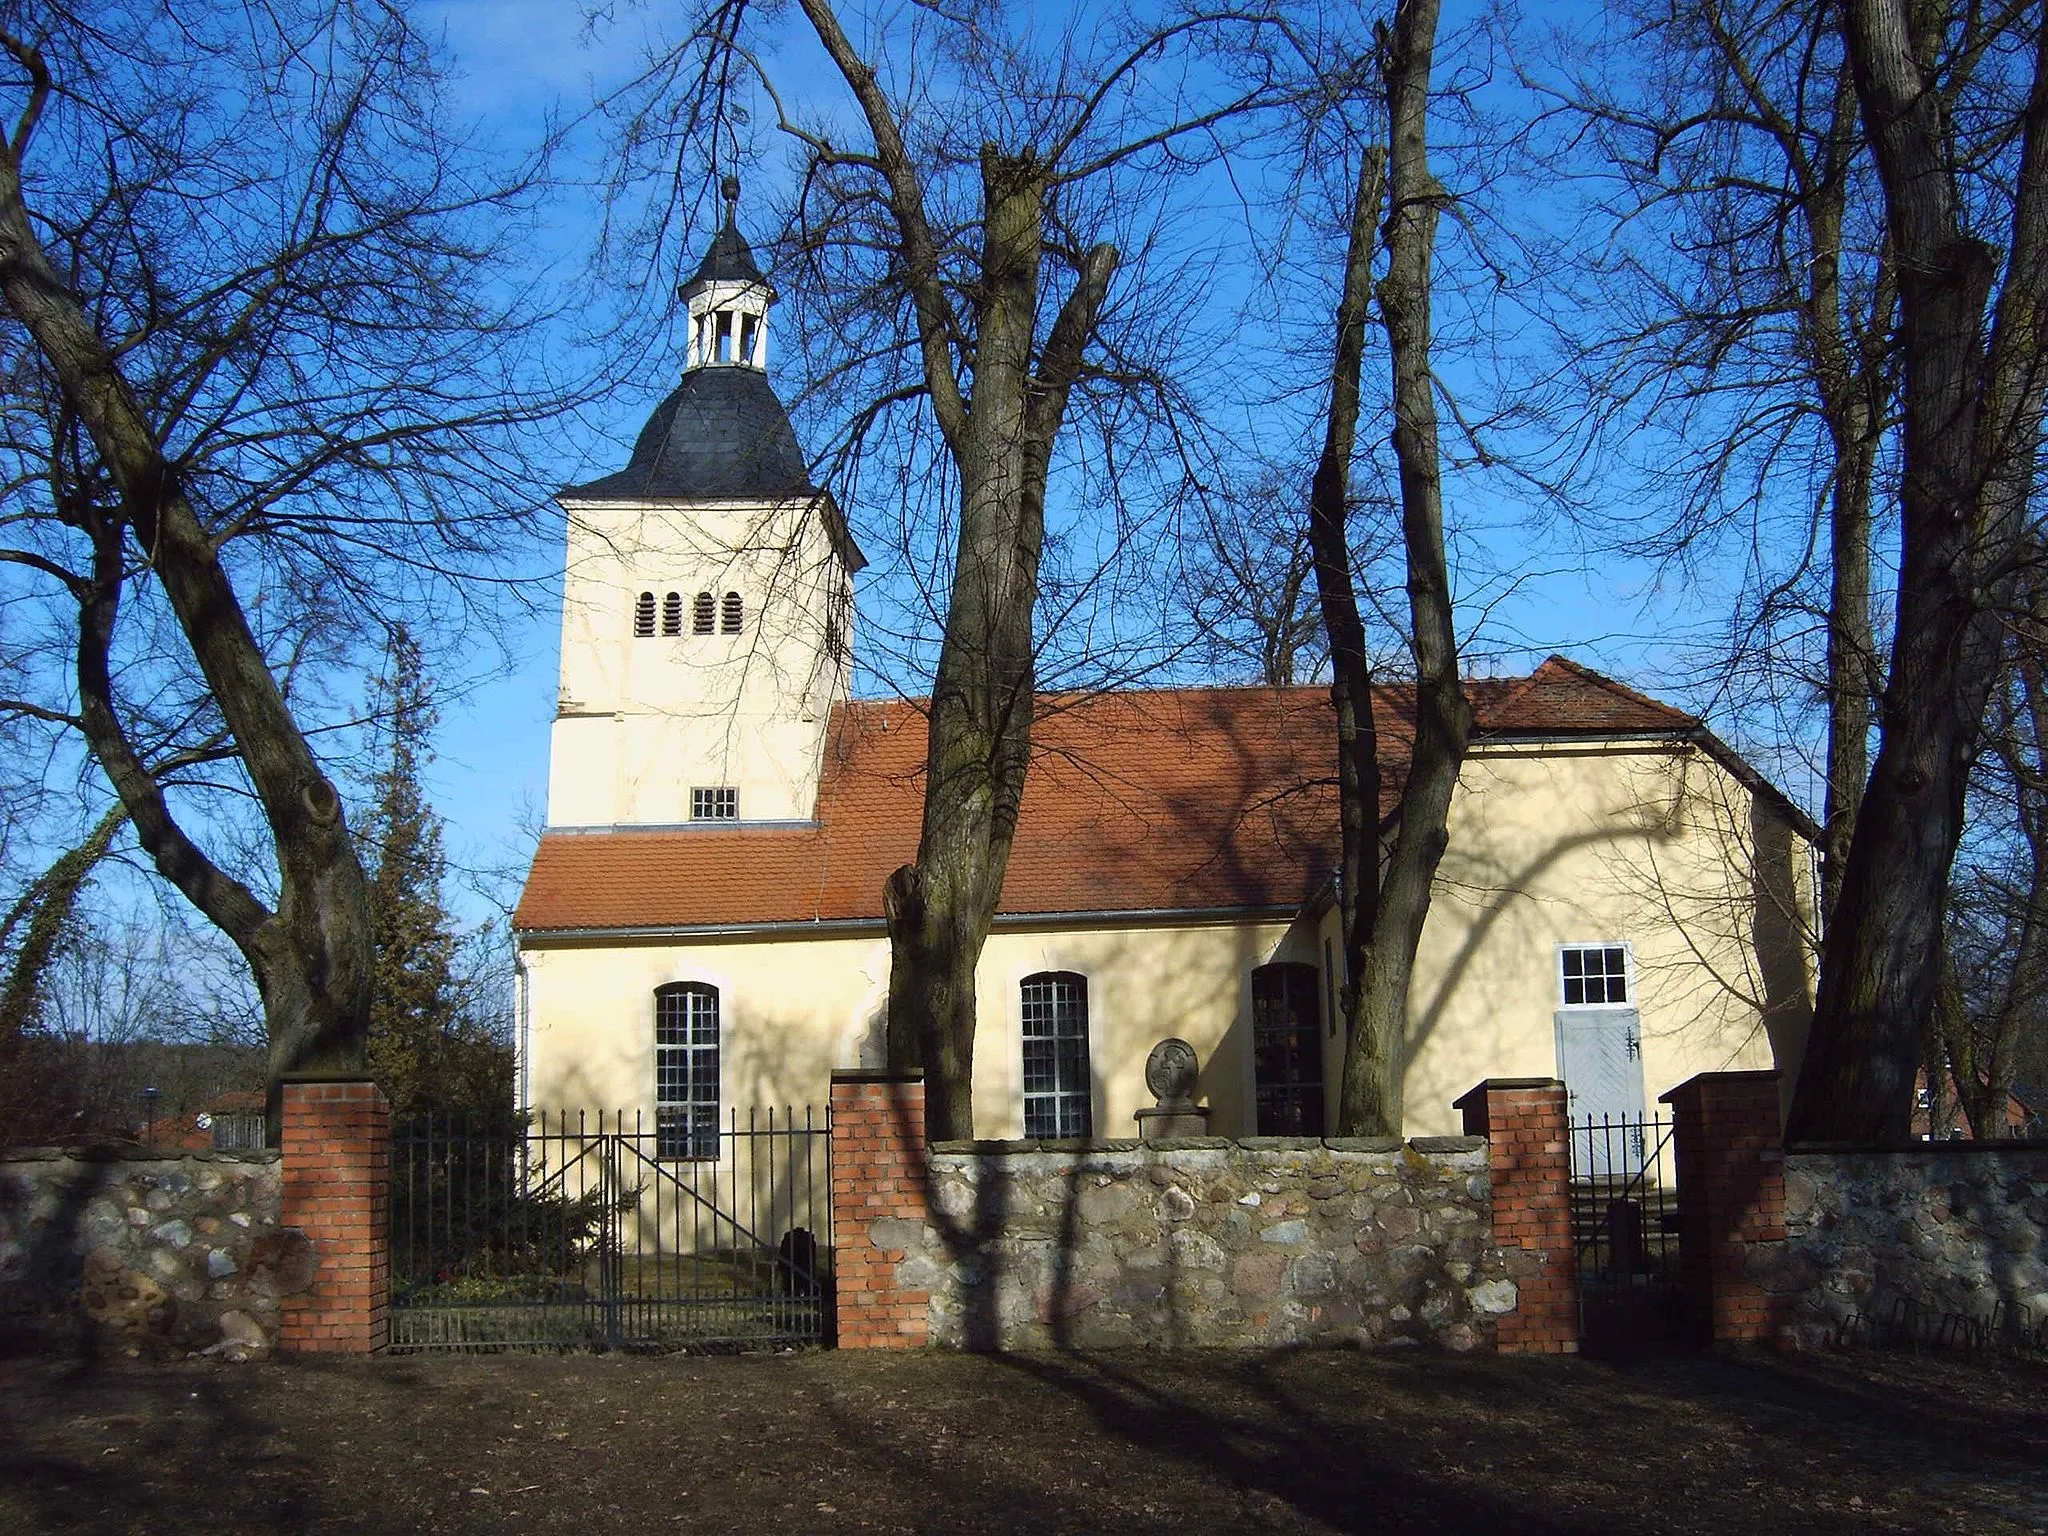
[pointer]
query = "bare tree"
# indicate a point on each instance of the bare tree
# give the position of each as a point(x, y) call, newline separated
point(1748, 295)
point(1991, 1004)
point(965, 241)
point(1252, 584)
point(1955, 104)
point(1384, 901)
point(247, 270)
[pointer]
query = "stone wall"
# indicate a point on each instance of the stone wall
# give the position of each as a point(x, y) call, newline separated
point(1954, 1226)
point(146, 1254)
point(1262, 1242)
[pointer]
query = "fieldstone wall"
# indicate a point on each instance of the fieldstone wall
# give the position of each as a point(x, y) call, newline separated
point(1955, 1226)
point(1262, 1242)
point(145, 1253)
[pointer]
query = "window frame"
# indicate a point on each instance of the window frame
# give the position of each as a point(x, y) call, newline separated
point(1629, 997)
point(1070, 1099)
point(732, 614)
point(686, 1125)
point(1294, 990)
point(704, 614)
point(723, 801)
point(644, 616)
point(671, 613)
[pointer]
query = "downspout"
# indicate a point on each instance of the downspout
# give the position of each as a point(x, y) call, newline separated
point(522, 1047)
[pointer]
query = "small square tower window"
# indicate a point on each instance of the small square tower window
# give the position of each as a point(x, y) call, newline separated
point(721, 804)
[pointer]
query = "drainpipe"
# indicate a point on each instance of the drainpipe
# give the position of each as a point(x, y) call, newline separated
point(522, 1049)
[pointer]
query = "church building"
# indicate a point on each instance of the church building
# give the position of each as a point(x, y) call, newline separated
point(1624, 902)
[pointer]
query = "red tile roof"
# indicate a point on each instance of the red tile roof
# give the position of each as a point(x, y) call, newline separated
point(1172, 799)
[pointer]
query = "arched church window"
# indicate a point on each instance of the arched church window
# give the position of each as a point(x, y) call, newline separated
point(672, 614)
point(706, 612)
point(686, 1070)
point(734, 612)
point(643, 615)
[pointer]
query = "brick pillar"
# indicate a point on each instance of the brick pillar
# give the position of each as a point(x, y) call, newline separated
point(1524, 1122)
point(880, 1194)
point(337, 1190)
point(1731, 1193)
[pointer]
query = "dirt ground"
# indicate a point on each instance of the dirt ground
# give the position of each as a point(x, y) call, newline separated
point(928, 1442)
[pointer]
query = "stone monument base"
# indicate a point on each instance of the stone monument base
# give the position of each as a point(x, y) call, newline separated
point(1167, 1122)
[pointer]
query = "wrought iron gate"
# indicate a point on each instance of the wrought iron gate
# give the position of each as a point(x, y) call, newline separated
point(570, 1233)
point(1625, 1232)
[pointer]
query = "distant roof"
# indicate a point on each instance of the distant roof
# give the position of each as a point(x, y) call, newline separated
point(1179, 799)
point(722, 433)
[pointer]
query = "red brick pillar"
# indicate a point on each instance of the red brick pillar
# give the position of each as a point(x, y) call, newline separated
point(1731, 1193)
point(337, 1190)
point(880, 1194)
point(1524, 1122)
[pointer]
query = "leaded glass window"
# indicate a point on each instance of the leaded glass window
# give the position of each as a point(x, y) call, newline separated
point(686, 1071)
point(1056, 1086)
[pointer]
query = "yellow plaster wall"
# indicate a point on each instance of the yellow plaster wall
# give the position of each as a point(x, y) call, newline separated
point(641, 720)
point(791, 1010)
point(1660, 849)
point(1656, 849)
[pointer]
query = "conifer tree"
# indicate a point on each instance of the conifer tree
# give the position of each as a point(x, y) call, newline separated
point(422, 1047)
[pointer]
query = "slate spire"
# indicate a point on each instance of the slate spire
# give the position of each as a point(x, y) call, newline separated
point(723, 433)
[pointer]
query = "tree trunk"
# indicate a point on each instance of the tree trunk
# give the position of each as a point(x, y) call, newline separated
point(311, 957)
point(979, 726)
point(1967, 475)
point(1370, 1095)
point(1852, 387)
point(1443, 718)
point(1383, 910)
point(1852, 657)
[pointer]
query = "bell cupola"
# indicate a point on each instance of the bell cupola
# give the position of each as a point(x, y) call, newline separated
point(728, 298)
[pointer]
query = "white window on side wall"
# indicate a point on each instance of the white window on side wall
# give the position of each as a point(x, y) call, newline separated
point(1056, 1085)
point(686, 1070)
point(1594, 975)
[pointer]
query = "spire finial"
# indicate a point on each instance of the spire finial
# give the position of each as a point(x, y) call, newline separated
point(729, 188)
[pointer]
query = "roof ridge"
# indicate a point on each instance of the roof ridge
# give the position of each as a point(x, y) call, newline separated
point(1586, 674)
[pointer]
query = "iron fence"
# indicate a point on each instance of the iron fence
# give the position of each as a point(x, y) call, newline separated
point(2011, 1328)
point(574, 1231)
point(236, 1130)
point(1625, 1230)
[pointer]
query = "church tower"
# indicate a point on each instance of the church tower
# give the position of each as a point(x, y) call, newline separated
point(707, 601)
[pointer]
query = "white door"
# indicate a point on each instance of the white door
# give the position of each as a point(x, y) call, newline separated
point(1600, 1058)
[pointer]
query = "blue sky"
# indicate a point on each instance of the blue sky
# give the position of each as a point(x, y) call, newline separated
point(522, 58)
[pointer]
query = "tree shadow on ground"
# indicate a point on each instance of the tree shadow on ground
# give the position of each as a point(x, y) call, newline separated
point(929, 1441)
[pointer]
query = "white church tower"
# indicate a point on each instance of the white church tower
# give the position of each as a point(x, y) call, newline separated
point(708, 598)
